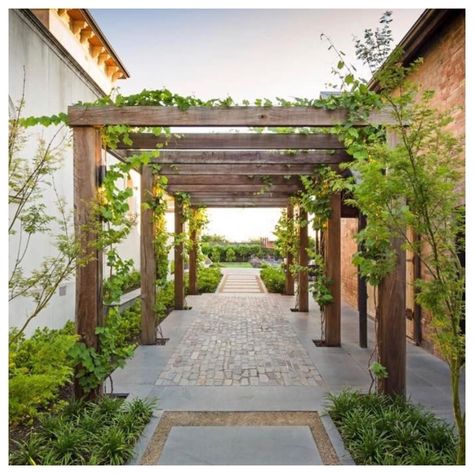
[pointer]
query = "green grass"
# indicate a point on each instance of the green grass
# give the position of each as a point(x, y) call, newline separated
point(235, 265)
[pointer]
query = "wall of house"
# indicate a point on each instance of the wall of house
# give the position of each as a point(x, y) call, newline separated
point(51, 84)
point(443, 70)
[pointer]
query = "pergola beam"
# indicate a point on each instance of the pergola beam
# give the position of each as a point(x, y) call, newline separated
point(239, 169)
point(250, 157)
point(238, 141)
point(239, 179)
point(229, 188)
point(156, 116)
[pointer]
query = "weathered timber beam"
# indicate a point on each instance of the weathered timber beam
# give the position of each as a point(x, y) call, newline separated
point(178, 255)
point(303, 260)
point(315, 157)
point(239, 141)
point(274, 204)
point(189, 188)
point(289, 277)
point(238, 169)
point(147, 259)
point(144, 116)
point(232, 179)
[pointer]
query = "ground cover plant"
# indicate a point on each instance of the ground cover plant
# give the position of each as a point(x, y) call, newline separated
point(378, 429)
point(101, 432)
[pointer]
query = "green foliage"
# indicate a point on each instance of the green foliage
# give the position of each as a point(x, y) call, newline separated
point(230, 255)
point(94, 366)
point(123, 280)
point(208, 279)
point(379, 371)
point(94, 433)
point(377, 429)
point(38, 367)
point(273, 278)
point(243, 251)
point(164, 300)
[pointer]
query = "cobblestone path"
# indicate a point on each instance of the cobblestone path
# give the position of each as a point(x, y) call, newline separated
point(240, 340)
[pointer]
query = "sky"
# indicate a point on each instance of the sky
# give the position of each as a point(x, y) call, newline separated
point(246, 54)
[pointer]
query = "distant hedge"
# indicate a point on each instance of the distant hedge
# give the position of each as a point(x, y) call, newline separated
point(242, 252)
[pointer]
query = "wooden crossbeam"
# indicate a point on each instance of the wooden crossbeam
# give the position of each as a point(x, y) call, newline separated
point(239, 179)
point(145, 116)
point(229, 188)
point(238, 141)
point(251, 157)
point(235, 203)
point(238, 169)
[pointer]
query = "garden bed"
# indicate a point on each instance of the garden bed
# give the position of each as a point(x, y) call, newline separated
point(381, 430)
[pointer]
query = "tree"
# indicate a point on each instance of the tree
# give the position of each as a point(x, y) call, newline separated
point(414, 185)
point(230, 255)
point(30, 218)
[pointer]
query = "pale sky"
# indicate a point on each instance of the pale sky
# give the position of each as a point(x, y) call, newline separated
point(246, 54)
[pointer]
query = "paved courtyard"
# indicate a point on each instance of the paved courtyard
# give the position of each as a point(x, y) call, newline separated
point(240, 340)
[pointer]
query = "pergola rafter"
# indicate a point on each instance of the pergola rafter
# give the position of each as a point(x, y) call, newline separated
point(229, 170)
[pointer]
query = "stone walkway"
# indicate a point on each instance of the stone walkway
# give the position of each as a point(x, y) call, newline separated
point(240, 340)
point(240, 282)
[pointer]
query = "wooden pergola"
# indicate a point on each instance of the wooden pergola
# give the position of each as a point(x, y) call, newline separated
point(229, 170)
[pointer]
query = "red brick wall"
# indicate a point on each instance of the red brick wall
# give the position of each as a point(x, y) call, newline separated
point(443, 70)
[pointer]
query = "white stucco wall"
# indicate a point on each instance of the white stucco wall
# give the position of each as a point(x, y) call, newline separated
point(52, 83)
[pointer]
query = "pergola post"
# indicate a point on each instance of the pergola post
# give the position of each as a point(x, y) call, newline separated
point(391, 326)
point(147, 259)
point(332, 311)
point(193, 260)
point(178, 254)
point(391, 318)
point(89, 306)
point(362, 294)
point(303, 298)
point(289, 278)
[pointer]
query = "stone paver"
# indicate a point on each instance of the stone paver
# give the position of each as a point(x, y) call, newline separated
point(230, 445)
point(241, 283)
point(240, 340)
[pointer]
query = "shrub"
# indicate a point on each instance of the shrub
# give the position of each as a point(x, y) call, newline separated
point(164, 300)
point(102, 432)
point(208, 279)
point(377, 429)
point(38, 368)
point(273, 278)
point(230, 255)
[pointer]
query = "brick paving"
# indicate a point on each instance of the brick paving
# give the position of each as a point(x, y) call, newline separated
point(240, 340)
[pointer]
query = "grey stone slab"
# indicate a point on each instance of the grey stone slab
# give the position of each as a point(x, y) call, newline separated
point(336, 441)
point(240, 445)
point(240, 398)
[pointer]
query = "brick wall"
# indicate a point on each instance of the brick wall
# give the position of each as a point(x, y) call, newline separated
point(443, 70)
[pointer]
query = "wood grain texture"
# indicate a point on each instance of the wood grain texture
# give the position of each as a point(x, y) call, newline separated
point(250, 157)
point(211, 179)
point(332, 311)
point(178, 256)
point(391, 317)
point(88, 305)
point(193, 261)
point(391, 327)
point(303, 260)
point(145, 116)
point(289, 278)
point(232, 188)
point(238, 169)
point(239, 141)
point(147, 260)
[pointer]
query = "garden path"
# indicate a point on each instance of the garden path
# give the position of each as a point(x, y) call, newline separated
point(247, 352)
